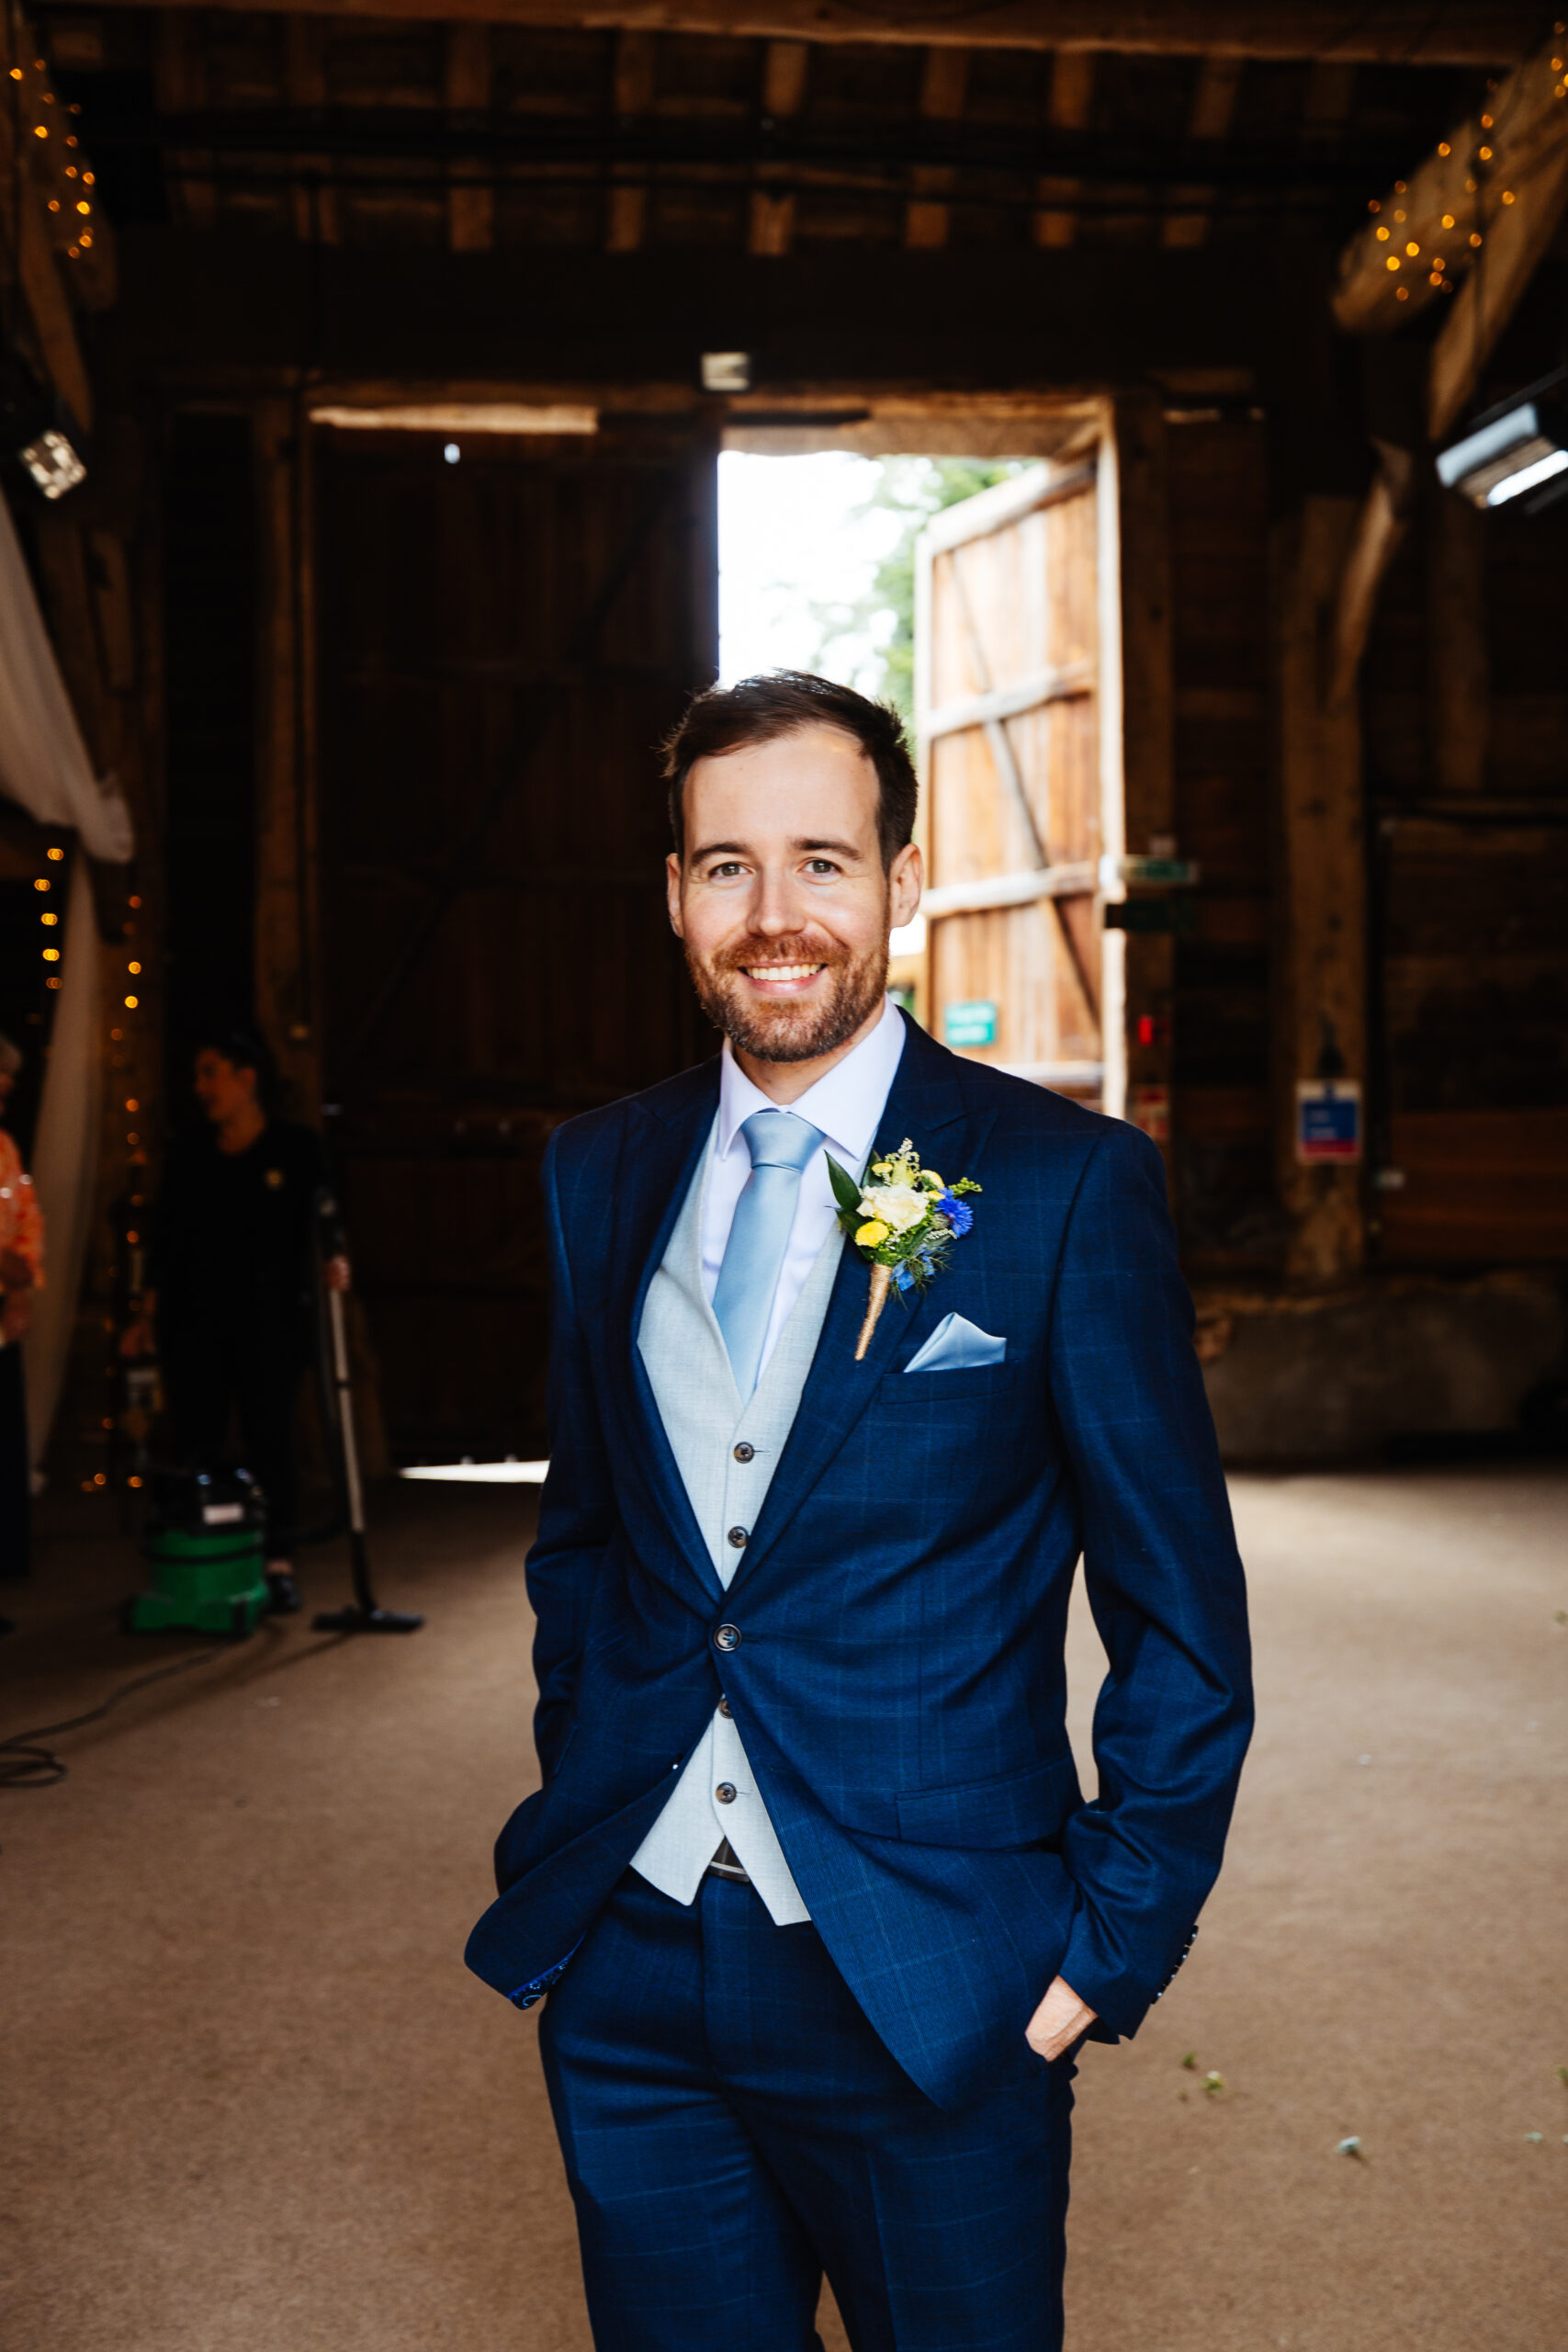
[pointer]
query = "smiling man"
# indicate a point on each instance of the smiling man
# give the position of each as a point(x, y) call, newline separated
point(818, 1908)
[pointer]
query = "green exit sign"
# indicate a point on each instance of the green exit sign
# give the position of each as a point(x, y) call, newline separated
point(971, 1024)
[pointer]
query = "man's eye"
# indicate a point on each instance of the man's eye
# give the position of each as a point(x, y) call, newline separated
point(821, 865)
point(722, 873)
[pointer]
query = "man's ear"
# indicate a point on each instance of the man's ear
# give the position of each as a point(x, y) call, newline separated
point(906, 880)
point(673, 893)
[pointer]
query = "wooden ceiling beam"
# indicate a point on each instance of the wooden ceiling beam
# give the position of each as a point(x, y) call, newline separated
point(1208, 118)
point(1468, 199)
point(944, 89)
point(1389, 33)
point(787, 67)
point(1070, 105)
point(470, 211)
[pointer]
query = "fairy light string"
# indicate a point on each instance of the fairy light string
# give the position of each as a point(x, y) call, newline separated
point(1457, 242)
point(58, 167)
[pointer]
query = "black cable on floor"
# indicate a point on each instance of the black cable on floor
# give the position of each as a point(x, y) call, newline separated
point(24, 1765)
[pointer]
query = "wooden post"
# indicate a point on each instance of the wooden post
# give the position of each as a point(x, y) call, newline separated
point(1321, 995)
point(286, 943)
point(1149, 772)
point(1460, 692)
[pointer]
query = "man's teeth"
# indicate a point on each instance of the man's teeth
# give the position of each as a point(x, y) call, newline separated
point(781, 971)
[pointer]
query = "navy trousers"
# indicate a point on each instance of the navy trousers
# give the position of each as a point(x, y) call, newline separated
point(733, 2128)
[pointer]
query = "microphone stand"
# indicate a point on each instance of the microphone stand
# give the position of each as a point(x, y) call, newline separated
point(365, 1615)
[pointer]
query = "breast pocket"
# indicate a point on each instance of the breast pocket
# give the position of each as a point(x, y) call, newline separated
point(979, 1382)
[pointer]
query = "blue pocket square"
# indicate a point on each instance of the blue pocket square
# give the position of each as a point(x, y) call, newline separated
point(957, 1346)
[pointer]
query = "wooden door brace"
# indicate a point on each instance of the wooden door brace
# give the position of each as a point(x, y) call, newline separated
point(1007, 767)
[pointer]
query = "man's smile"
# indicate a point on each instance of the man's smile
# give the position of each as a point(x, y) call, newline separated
point(781, 979)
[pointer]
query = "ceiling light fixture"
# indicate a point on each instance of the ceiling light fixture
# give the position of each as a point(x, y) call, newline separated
point(1518, 449)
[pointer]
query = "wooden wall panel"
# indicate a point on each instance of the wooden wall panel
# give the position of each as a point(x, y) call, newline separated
point(1467, 735)
point(497, 952)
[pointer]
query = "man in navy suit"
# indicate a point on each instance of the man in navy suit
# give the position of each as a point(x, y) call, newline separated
point(821, 1911)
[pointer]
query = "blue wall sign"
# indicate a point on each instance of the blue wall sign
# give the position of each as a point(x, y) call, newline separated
point(1328, 1120)
point(971, 1024)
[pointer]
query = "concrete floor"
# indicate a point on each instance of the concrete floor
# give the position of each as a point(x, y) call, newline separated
point(256, 2105)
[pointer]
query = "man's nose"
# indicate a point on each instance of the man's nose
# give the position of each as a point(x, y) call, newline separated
point(776, 908)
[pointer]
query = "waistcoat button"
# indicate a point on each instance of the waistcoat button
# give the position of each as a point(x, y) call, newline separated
point(743, 1451)
point(725, 1792)
point(737, 1537)
point(727, 1637)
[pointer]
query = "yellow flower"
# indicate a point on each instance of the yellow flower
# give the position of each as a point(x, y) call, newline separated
point(871, 1236)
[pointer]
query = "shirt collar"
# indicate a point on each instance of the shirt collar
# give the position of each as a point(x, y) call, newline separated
point(846, 1104)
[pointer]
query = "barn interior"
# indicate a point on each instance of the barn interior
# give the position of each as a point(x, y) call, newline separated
point(383, 724)
point(388, 353)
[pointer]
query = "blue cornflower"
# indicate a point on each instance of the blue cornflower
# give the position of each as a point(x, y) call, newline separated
point(959, 1214)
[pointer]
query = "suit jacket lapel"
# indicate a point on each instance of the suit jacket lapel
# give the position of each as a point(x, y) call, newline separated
point(664, 1148)
point(926, 1101)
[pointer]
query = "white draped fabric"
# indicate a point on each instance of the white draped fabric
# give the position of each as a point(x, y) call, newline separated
point(44, 767)
point(43, 760)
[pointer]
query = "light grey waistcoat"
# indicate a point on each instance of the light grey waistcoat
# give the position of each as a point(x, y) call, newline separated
point(687, 1364)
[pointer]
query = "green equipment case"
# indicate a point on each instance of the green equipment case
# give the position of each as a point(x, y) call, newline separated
point(206, 1556)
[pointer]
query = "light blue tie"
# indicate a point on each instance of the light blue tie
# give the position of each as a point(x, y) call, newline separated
point(780, 1145)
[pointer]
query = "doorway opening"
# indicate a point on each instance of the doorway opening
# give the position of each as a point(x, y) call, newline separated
point(966, 591)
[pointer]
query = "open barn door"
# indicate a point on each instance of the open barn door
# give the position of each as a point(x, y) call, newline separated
point(1021, 802)
point(502, 643)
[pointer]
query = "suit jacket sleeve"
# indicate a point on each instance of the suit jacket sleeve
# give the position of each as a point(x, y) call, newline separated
point(1164, 1580)
point(577, 1510)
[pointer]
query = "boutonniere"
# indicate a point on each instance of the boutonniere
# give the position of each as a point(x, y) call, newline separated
point(904, 1220)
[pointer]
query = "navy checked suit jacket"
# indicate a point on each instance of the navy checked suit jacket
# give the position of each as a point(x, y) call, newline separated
point(898, 1681)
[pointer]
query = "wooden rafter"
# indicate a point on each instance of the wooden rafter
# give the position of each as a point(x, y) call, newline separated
point(943, 89)
point(785, 71)
point(627, 218)
point(1491, 175)
point(57, 243)
point(1070, 105)
point(1506, 172)
point(471, 211)
point(1208, 122)
point(1391, 32)
point(1380, 526)
point(1485, 302)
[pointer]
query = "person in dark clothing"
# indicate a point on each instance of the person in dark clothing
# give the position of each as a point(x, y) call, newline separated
point(231, 1295)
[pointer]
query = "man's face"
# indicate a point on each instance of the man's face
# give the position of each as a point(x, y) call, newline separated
point(220, 1088)
point(781, 899)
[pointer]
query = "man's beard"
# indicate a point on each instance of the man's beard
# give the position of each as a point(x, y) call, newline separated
point(786, 1032)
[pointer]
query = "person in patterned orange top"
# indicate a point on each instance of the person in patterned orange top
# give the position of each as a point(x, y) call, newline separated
point(21, 1274)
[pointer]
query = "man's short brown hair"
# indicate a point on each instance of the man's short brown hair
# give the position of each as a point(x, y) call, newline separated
point(759, 710)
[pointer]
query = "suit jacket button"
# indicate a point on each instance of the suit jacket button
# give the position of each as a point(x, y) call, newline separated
point(725, 1792)
point(743, 1452)
point(724, 1709)
point(727, 1637)
point(737, 1537)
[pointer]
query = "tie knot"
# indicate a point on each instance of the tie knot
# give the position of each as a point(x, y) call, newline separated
point(778, 1139)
